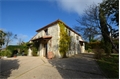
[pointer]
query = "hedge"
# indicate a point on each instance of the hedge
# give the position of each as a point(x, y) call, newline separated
point(19, 49)
point(93, 45)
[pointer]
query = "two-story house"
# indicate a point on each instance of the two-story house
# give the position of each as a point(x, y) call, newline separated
point(48, 38)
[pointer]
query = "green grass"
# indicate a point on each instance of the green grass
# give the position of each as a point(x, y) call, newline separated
point(110, 66)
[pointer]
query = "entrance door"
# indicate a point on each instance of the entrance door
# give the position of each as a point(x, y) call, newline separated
point(45, 50)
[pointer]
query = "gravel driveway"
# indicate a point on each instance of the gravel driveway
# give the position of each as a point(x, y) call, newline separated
point(78, 67)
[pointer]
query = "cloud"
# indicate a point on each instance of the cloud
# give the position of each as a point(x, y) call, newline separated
point(76, 6)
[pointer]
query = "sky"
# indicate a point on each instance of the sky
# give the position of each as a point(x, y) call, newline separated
point(24, 17)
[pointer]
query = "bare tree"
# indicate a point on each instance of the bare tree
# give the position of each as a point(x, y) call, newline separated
point(89, 23)
point(20, 41)
point(9, 37)
point(101, 20)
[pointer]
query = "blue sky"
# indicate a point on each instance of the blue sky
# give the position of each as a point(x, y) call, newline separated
point(24, 17)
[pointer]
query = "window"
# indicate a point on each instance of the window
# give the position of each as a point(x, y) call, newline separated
point(69, 32)
point(77, 37)
point(46, 31)
point(70, 46)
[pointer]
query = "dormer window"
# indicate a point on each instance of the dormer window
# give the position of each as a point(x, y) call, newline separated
point(46, 31)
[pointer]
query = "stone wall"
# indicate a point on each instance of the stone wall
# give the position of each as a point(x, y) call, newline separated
point(75, 46)
point(53, 43)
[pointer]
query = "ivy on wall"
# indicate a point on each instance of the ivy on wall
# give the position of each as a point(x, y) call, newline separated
point(65, 40)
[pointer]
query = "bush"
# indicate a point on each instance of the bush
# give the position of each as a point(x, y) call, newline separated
point(98, 53)
point(89, 50)
point(25, 52)
point(96, 48)
point(34, 51)
point(14, 47)
point(19, 48)
point(6, 52)
point(87, 46)
point(1, 53)
point(93, 45)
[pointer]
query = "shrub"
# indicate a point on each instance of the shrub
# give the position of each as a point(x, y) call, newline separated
point(94, 45)
point(96, 48)
point(98, 53)
point(89, 50)
point(13, 47)
point(25, 52)
point(1, 53)
point(87, 46)
point(6, 52)
point(19, 48)
point(34, 51)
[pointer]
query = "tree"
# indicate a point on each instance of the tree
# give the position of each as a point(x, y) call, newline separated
point(105, 32)
point(111, 9)
point(103, 17)
point(115, 33)
point(2, 38)
point(89, 23)
point(107, 9)
point(9, 37)
point(20, 41)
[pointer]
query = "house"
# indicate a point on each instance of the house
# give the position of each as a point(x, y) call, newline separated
point(48, 38)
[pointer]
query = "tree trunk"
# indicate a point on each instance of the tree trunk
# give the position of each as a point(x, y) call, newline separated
point(105, 33)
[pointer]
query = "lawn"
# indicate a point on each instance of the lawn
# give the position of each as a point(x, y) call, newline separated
point(110, 66)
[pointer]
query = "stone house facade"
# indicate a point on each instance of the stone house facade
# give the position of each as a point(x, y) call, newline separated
point(48, 39)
